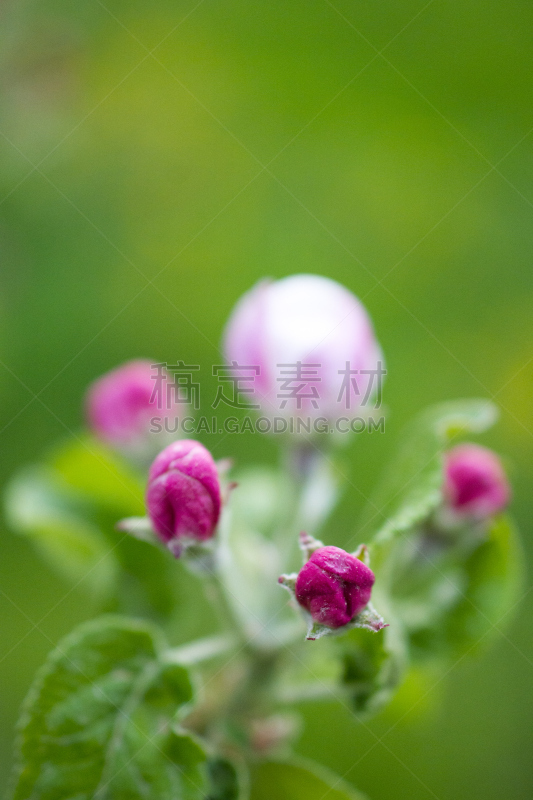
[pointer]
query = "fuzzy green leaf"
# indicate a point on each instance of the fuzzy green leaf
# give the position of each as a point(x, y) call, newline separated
point(224, 780)
point(100, 721)
point(494, 577)
point(74, 530)
point(373, 666)
point(489, 582)
point(73, 545)
point(90, 468)
point(411, 489)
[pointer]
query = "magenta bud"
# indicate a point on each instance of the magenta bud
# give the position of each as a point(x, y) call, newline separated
point(334, 586)
point(183, 494)
point(475, 483)
point(309, 347)
point(121, 404)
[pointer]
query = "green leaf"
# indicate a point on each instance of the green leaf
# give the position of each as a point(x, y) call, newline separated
point(481, 591)
point(493, 576)
point(280, 780)
point(100, 721)
point(53, 520)
point(373, 666)
point(76, 535)
point(224, 780)
point(89, 467)
point(411, 489)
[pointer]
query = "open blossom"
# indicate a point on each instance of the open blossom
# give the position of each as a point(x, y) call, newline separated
point(475, 483)
point(334, 586)
point(121, 404)
point(309, 346)
point(183, 493)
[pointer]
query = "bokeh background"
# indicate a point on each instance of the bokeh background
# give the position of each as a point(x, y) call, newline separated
point(159, 158)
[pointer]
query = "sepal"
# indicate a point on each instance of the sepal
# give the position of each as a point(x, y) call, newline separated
point(368, 618)
point(140, 528)
point(289, 582)
point(362, 554)
point(309, 545)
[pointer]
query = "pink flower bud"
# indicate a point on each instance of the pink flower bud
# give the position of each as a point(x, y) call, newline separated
point(121, 404)
point(334, 586)
point(475, 483)
point(311, 321)
point(183, 493)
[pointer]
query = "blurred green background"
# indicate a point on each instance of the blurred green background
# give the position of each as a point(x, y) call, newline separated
point(158, 159)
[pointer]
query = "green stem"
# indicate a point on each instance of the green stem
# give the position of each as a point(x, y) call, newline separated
point(254, 695)
point(309, 472)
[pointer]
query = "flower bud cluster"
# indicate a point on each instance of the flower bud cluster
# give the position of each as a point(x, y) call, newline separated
point(304, 320)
